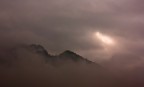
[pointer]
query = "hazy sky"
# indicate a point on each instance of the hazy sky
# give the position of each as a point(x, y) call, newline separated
point(70, 24)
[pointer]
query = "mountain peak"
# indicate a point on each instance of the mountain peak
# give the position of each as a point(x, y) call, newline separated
point(68, 52)
point(66, 55)
point(39, 49)
point(69, 55)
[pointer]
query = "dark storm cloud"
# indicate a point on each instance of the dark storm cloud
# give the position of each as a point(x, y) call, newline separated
point(62, 22)
point(69, 24)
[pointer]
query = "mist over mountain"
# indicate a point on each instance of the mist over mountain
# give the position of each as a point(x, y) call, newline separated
point(66, 56)
point(33, 66)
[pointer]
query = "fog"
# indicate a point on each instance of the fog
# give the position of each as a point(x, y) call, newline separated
point(28, 69)
point(22, 67)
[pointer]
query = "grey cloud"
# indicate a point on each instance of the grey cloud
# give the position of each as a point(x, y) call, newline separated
point(68, 24)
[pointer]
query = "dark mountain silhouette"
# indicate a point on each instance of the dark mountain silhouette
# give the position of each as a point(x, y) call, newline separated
point(65, 56)
point(40, 50)
point(35, 52)
point(69, 55)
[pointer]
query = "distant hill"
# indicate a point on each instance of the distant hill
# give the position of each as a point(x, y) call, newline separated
point(63, 57)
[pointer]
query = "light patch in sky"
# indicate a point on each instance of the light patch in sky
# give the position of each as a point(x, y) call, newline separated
point(105, 39)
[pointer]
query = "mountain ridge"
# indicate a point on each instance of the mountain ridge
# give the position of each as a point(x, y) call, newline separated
point(65, 56)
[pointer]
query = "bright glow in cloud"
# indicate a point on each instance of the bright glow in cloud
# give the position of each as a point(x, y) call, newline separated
point(105, 39)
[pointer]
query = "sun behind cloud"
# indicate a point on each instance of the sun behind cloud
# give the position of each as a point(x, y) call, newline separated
point(105, 39)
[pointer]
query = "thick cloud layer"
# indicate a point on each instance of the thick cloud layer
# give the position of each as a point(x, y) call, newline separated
point(70, 24)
